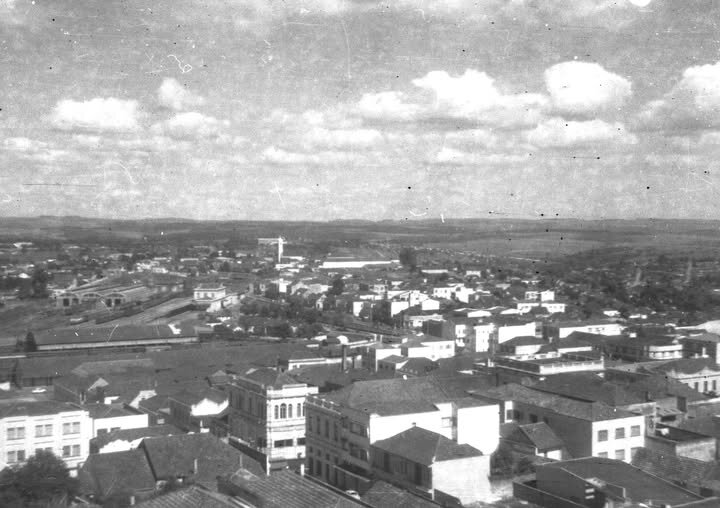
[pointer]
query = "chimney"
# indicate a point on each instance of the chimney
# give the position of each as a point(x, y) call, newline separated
point(302, 469)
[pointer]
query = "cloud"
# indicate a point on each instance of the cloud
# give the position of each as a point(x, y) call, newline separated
point(585, 88)
point(341, 139)
point(391, 106)
point(693, 103)
point(281, 157)
point(173, 95)
point(557, 132)
point(99, 114)
point(452, 156)
point(22, 144)
point(190, 124)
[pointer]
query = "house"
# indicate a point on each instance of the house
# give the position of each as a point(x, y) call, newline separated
point(111, 417)
point(213, 297)
point(678, 442)
point(701, 374)
point(193, 410)
point(563, 329)
point(587, 428)
point(517, 368)
point(532, 439)
point(523, 345)
point(702, 345)
point(642, 349)
point(30, 425)
point(342, 425)
point(117, 479)
point(594, 482)
point(428, 462)
point(267, 416)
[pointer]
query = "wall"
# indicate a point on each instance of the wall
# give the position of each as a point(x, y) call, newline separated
point(700, 449)
point(466, 479)
point(138, 421)
point(479, 427)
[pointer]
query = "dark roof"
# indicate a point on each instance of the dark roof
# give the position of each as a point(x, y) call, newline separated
point(678, 469)
point(120, 473)
point(103, 334)
point(425, 447)
point(17, 407)
point(190, 497)
point(133, 434)
point(591, 411)
point(385, 495)
point(192, 397)
point(174, 456)
point(687, 365)
point(398, 396)
point(271, 378)
point(524, 340)
point(107, 410)
point(539, 435)
point(286, 489)
point(707, 337)
point(639, 486)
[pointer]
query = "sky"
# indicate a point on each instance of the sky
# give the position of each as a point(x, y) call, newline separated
point(358, 109)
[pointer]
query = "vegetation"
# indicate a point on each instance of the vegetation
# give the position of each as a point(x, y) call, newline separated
point(43, 481)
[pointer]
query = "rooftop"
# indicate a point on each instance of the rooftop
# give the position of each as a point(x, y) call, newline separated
point(425, 447)
point(102, 334)
point(190, 497)
point(120, 473)
point(11, 407)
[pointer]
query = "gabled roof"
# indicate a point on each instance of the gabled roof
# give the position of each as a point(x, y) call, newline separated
point(271, 378)
point(524, 340)
point(539, 435)
point(425, 447)
point(120, 473)
point(134, 434)
point(688, 365)
point(190, 497)
point(175, 456)
point(192, 397)
point(386, 495)
point(286, 489)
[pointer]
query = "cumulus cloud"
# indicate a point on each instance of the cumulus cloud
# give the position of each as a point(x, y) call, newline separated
point(173, 95)
point(99, 114)
point(452, 156)
point(585, 88)
point(557, 132)
point(191, 124)
point(391, 106)
point(693, 103)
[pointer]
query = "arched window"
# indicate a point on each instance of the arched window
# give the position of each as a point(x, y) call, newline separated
point(276, 412)
point(283, 411)
point(289, 410)
point(299, 410)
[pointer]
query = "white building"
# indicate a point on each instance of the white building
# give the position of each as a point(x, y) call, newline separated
point(268, 416)
point(29, 426)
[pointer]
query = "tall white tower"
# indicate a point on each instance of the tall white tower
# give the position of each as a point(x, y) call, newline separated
point(280, 249)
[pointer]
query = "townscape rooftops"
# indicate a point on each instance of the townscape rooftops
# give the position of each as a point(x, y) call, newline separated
point(135, 434)
point(12, 407)
point(539, 435)
point(425, 447)
point(639, 485)
point(271, 378)
point(107, 411)
point(286, 489)
point(524, 340)
point(674, 468)
point(386, 495)
point(687, 365)
point(193, 397)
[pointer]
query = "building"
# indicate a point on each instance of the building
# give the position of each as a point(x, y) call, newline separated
point(515, 368)
point(125, 336)
point(428, 462)
point(342, 425)
point(267, 416)
point(29, 426)
point(563, 329)
point(588, 429)
point(643, 349)
point(702, 345)
point(109, 418)
point(213, 297)
point(532, 439)
point(193, 411)
point(593, 482)
point(701, 374)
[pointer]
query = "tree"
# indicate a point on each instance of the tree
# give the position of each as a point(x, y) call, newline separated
point(44, 480)
point(408, 258)
point(338, 286)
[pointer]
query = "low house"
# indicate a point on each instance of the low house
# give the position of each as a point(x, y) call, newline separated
point(428, 462)
point(111, 417)
point(117, 479)
point(532, 439)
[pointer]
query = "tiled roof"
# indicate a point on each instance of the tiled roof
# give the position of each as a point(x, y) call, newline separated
point(398, 396)
point(175, 456)
point(190, 497)
point(542, 436)
point(14, 407)
point(688, 365)
point(107, 411)
point(525, 340)
point(271, 377)
point(425, 447)
point(591, 411)
point(286, 489)
point(385, 495)
point(133, 434)
point(674, 468)
point(119, 473)
point(639, 486)
point(192, 397)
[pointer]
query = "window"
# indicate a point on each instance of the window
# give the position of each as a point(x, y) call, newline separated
point(635, 431)
point(620, 454)
point(714, 385)
point(301, 441)
point(71, 428)
point(299, 410)
point(620, 433)
point(602, 435)
point(283, 411)
point(310, 424)
point(46, 449)
point(43, 430)
point(290, 411)
point(15, 456)
point(705, 386)
point(335, 431)
point(509, 415)
point(71, 450)
point(327, 428)
point(697, 386)
point(634, 450)
point(16, 433)
point(446, 422)
point(282, 443)
point(533, 418)
point(277, 409)
point(603, 455)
